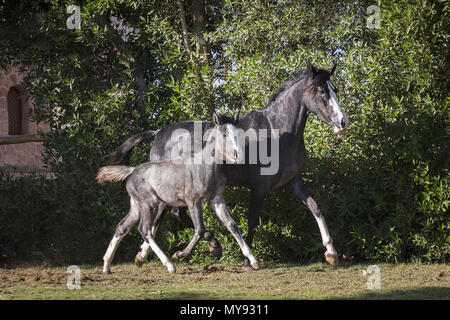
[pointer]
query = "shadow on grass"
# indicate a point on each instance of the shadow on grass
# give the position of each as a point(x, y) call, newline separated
point(187, 295)
point(424, 293)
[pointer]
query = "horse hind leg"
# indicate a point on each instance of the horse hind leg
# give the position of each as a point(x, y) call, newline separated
point(164, 259)
point(214, 246)
point(145, 228)
point(256, 203)
point(121, 231)
point(141, 256)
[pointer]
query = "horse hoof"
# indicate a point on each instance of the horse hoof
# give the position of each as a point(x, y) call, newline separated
point(255, 266)
point(247, 268)
point(171, 269)
point(332, 259)
point(138, 261)
point(216, 252)
point(177, 255)
point(107, 271)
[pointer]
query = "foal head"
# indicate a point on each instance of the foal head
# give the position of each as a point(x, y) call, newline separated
point(320, 98)
point(226, 138)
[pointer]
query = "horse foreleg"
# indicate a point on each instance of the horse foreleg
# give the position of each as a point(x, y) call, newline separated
point(197, 219)
point(219, 206)
point(214, 246)
point(301, 192)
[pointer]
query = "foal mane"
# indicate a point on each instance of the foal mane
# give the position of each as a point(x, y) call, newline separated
point(225, 119)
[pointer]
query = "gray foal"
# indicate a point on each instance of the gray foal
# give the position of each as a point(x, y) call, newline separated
point(179, 183)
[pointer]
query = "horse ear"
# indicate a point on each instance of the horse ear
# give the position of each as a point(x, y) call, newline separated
point(311, 69)
point(215, 119)
point(331, 70)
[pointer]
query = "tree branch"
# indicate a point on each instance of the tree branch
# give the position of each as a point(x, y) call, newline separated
point(187, 45)
point(199, 23)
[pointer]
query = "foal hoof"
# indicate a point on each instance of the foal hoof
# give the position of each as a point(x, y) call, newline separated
point(255, 266)
point(139, 261)
point(332, 259)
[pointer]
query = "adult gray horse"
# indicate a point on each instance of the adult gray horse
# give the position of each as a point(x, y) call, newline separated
point(308, 91)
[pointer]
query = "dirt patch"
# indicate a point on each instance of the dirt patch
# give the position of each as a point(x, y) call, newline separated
point(11, 277)
point(121, 275)
point(210, 269)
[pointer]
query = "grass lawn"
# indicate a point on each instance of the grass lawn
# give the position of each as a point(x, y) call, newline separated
point(223, 281)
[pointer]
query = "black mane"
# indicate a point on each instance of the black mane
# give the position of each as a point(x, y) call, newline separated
point(295, 77)
point(319, 79)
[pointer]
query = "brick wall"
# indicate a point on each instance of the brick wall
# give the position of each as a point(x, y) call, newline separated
point(24, 154)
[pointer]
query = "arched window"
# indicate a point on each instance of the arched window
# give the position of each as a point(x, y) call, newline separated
point(14, 112)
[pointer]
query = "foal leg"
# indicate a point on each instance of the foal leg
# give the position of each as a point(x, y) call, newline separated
point(220, 207)
point(180, 214)
point(214, 246)
point(301, 192)
point(142, 255)
point(197, 219)
point(145, 228)
point(122, 229)
point(164, 259)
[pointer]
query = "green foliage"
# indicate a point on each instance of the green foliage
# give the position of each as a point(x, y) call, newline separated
point(383, 185)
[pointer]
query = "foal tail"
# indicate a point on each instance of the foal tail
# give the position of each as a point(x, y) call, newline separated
point(118, 156)
point(114, 173)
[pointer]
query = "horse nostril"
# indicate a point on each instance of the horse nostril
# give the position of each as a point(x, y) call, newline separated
point(235, 154)
point(343, 123)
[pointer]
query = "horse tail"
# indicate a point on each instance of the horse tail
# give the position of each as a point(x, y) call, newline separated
point(118, 156)
point(114, 173)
